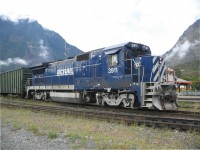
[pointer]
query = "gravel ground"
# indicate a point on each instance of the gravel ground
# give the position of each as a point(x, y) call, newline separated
point(21, 139)
point(25, 140)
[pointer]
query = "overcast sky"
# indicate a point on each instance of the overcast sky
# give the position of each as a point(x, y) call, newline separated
point(92, 24)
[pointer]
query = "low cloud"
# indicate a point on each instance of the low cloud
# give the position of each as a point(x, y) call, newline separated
point(10, 61)
point(17, 19)
point(44, 51)
point(180, 50)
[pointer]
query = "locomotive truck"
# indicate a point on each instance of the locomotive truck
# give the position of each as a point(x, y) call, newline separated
point(121, 75)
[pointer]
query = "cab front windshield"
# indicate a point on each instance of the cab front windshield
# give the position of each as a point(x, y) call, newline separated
point(135, 50)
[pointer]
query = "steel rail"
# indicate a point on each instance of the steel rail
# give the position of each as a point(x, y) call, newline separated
point(110, 108)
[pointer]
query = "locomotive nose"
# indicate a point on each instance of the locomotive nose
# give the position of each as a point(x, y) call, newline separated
point(161, 104)
point(165, 98)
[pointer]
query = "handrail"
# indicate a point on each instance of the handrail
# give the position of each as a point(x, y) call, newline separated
point(138, 68)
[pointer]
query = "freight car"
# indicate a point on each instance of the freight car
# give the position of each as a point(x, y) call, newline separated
point(13, 82)
point(120, 75)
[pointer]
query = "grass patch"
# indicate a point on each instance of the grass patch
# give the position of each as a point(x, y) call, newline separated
point(33, 128)
point(189, 106)
point(16, 127)
point(82, 132)
point(73, 137)
point(52, 135)
point(78, 140)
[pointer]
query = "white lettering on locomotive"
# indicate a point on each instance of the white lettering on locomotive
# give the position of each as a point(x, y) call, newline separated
point(112, 70)
point(62, 72)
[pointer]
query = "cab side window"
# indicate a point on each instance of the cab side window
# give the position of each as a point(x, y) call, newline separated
point(112, 60)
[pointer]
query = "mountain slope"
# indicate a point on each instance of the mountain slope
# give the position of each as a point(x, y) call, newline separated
point(26, 43)
point(184, 57)
point(187, 48)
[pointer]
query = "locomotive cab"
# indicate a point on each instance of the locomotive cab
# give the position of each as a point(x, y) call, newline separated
point(149, 73)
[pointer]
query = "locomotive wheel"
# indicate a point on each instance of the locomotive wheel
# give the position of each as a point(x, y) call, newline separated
point(100, 101)
point(87, 99)
point(126, 102)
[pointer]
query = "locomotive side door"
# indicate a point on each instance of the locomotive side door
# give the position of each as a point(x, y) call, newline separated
point(132, 66)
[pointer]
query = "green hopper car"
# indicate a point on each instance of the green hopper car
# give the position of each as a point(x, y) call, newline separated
point(13, 82)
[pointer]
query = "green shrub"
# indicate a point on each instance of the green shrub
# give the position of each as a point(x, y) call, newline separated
point(52, 135)
point(33, 128)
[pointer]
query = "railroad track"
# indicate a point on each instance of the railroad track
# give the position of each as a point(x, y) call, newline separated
point(104, 108)
point(192, 99)
point(172, 120)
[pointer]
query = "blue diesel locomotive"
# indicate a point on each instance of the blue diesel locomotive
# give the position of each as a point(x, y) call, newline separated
point(121, 75)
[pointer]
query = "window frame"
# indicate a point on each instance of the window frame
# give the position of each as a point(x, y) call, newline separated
point(113, 59)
